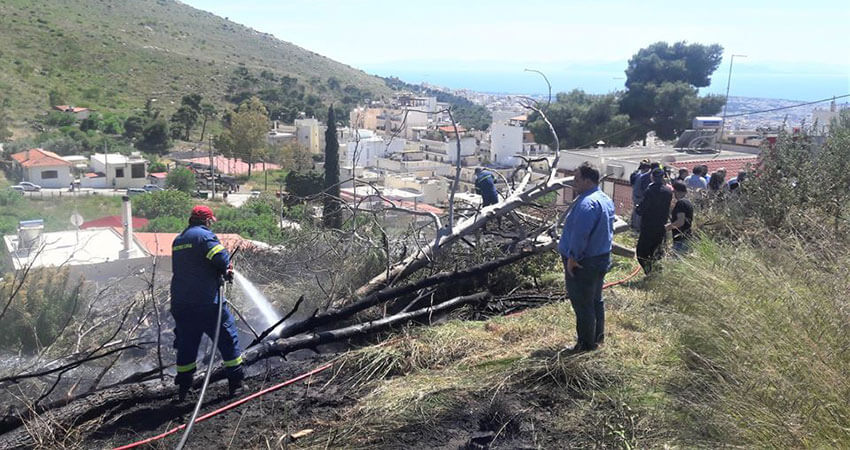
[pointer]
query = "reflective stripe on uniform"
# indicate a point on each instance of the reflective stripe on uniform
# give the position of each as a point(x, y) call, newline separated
point(187, 367)
point(233, 362)
point(214, 251)
point(180, 247)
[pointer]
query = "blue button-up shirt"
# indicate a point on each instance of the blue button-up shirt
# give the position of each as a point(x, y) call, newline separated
point(589, 228)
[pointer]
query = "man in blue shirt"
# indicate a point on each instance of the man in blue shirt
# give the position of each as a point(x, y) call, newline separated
point(199, 265)
point(696, 181)
point(485, 186)
point(585, 248)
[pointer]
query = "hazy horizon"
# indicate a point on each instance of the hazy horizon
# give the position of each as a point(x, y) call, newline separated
point(790, 48)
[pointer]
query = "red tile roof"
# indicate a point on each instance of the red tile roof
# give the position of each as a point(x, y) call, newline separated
point(114, 221)
point(159, 244)
point(732, 165)
point(158, 174)
point(414, 206)
point(66, 108)
point(232, 166)
point(451, 129)
point(37, 157)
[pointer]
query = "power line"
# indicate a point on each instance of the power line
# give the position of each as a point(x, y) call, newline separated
point(787, 107)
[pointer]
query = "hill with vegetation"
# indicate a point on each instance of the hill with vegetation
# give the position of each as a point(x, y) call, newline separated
point(115, 55)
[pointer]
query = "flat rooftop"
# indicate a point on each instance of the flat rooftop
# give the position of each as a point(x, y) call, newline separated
point(70, 248)
point(621, 161)
point(636, 154)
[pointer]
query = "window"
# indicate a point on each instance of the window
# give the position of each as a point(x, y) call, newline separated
point(119, 173)
point(137, 171)
point(49, 174)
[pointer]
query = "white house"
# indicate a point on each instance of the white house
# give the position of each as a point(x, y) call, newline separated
point(119, 171)
point(307, 134)
point(505, 142)
point(366, 151)
point(44, 168)
point(446, 150)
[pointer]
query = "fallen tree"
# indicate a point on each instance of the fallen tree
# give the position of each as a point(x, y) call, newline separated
point(111, 402)
point(319, 326)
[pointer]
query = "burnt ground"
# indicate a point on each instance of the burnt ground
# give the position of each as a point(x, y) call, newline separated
point(517, 420)
point(324, 403)
point(267, 418)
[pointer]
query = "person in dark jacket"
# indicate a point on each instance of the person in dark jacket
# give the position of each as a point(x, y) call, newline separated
point(637, 191)
point(485, 186)
point(654, 211)
point(200, 264)
point(585, 248)
point(681, 218)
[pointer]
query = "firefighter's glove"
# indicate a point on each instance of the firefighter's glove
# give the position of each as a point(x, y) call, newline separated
point(228, 275)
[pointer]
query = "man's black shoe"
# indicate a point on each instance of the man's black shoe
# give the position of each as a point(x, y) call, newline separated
point(183, 392)
point(235, 388)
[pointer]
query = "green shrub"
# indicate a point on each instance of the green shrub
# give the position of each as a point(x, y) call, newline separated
point(155, 137)
point(163, 204)
point(40, 310)
point(304, 184)
point(90, 123)
point(10, 198)
point(256, 219)
point(181, 178)
point(59, 119)
point(166, 224)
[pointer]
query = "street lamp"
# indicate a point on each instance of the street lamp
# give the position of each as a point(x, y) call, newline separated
point(726, 102)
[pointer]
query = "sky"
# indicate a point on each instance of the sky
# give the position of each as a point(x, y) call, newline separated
point(794, 50)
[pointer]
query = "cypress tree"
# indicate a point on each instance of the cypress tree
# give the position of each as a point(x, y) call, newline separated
point(331, 216)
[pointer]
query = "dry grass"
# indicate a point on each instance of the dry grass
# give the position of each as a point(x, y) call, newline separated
point(729, 346)
point(764, 340)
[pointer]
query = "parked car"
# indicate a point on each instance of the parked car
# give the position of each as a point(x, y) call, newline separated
point(152, 188)
point(27, 186)
point(17, 189)
point(135, 191)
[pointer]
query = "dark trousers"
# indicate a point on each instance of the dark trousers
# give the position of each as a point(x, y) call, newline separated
point(585, 291)
point(649, 246)
point(191, 323)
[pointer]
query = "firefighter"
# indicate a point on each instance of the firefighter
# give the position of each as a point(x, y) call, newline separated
point(200, 264)
point(485, 186)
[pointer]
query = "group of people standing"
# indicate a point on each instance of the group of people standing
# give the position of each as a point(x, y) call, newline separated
point(653, 198)
point(651, 216)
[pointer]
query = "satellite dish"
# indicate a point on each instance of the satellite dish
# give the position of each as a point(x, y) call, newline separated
point(76, 219)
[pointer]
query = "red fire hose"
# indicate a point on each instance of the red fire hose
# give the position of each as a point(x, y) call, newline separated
point(228, 407)
point(619, 282)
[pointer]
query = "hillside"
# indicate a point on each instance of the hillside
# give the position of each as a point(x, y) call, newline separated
point(115, 54)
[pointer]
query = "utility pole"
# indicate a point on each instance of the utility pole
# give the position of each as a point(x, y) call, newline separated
point(719, 140)
point(106, 163)
point(212, 168)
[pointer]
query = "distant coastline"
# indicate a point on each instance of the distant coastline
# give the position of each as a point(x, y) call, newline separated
point(751, 82)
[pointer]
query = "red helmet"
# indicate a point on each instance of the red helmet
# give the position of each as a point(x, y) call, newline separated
point(202, 212)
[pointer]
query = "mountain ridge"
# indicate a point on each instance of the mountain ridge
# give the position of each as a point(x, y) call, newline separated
point(114, 55)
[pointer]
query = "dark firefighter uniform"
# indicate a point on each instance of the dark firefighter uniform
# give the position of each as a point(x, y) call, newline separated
point(485, 185)
point(199, 263)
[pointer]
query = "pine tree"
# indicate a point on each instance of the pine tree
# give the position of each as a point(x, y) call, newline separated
point(332, 217)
